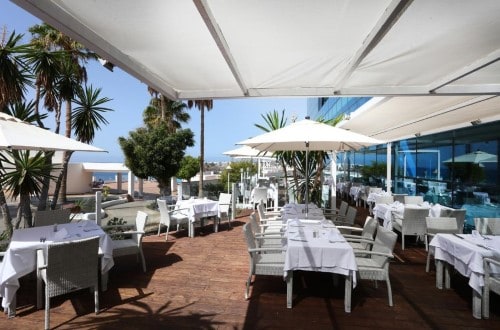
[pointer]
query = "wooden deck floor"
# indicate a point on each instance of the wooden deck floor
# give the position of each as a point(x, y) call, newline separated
point(199, 283)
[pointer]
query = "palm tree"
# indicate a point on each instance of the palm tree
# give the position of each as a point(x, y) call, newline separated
point(85, 119)
point(23, 176)
point(161, 109)
point(201, 105)
point(14, 74)
point(14, 77)
point(87, 116)
point(274, 121)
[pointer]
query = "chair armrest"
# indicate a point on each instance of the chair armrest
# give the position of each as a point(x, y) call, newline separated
point(355, 237)
point(487, 262)
point(358, 239)
point(373, 253)
point(280, 250)
point(350, 228)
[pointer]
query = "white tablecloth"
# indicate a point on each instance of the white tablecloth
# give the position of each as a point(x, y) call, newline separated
point(389, 212)
point(20, 257)
point(318, 246)
point(296, 211)
point(197, 209)
point(313, 246)
point(466, 255)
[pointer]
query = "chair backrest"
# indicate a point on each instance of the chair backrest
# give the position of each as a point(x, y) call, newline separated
point(414, 220)
point(253, 223)
point(369, 228)
point(384, 243)
point(487, 226)
point(224, 202)
point(458, 214)
point(351, 215)
point(384, 199)
point(249, 237)
point(374, 190)
point(343, 208)
point(140, 223)
point(445, 225)
point(72, 266)
point(414, 199)
point(164, 215)
point(50, 217)
point(399, 197)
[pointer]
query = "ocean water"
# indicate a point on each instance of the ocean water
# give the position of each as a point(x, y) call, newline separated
point(108, 176)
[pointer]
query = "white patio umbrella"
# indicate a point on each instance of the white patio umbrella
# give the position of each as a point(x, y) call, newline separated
point(306, 135)
point(247, 152)
point(475, 157)
point(18, 134)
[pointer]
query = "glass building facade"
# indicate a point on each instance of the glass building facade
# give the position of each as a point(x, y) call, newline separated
point(457, 168)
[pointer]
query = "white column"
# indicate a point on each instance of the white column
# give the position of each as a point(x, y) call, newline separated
point(333, 170)
point(131, 181)
point(173, 184)
point(389, 167)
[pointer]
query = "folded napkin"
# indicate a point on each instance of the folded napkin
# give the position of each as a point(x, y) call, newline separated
point(335, 236)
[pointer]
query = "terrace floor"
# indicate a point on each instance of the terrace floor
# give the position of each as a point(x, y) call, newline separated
point(199, 283)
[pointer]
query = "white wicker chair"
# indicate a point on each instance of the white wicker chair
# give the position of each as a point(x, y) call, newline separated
point(348, 219)
point(412, 223)
point(491, 283)
point(272, 238)
point(413, 199)
point(367, 233)
point(269, 216)
point(445, 225)
point(263, 261)
point(374, 265)
point(133, 245)
point(225, 208)
point(50, 217)
point(332, 214)
point(171, 217)
point(458, 214)
point(487, 226)
point(67, 267)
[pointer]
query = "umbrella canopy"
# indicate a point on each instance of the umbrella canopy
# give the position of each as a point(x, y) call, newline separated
point(247, 152)
point(474, 157)
point(17, 134)
point(306, 135)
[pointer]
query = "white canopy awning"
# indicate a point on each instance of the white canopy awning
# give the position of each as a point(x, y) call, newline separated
point(219, 49)
point(229, 49)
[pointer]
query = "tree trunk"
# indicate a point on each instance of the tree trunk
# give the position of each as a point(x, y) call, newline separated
point(67, 155)
point(62, 174)
point(25, 205)
point(44, 194)
point(202, 151)
point(7, 219)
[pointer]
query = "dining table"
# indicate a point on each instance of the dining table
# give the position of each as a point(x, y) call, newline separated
point(317, 245)
point(389, 212)
point(298, 210)
point(20, 257)
point(465, 253)
point(197, 210)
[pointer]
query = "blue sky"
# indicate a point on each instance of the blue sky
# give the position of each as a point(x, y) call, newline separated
point(229, 121)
